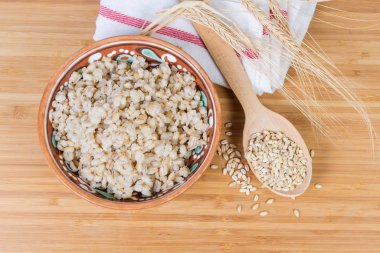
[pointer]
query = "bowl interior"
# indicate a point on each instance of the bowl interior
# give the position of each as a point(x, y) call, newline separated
point(123, 50)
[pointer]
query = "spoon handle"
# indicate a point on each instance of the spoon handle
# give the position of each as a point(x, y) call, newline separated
point(232, 69)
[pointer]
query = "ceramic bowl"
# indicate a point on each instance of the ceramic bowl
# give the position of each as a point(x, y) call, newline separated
point(122, 49)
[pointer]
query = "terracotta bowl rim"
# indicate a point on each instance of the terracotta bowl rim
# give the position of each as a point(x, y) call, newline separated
point(92, 48)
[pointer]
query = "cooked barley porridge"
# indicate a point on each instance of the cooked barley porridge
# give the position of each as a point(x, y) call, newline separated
point(128, 127)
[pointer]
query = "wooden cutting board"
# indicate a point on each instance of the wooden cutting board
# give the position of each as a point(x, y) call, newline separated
point(38, 214)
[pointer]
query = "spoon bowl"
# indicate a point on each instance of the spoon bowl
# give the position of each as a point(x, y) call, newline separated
point(269, 120)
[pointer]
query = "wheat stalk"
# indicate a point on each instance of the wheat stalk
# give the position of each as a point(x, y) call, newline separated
point(279, 17)
point(314, 69)
point(201, 13)
point(310, 67)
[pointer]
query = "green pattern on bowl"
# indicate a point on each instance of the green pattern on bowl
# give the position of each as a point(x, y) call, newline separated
point(204, 99)
point(104, 193)
point(53, 140)
point(198, 150)
point(124, 58)
point(151, 54)
point(193, 167)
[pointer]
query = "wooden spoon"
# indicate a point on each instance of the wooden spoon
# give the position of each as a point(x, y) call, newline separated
point(257, 116)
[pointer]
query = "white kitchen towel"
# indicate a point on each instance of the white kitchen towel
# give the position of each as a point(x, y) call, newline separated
point(127, 17)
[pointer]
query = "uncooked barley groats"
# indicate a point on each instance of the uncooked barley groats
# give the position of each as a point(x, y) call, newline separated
point(127, 127)
point(277, 160)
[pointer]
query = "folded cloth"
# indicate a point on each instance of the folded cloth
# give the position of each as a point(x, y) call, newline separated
point(127, 17)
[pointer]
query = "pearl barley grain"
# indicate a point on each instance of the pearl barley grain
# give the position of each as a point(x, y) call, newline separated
point(223, 142)
point(214, 166)
point(296, 213)
point(239, 208)
point(232, 184)
point(228, 124)
point(255, 206)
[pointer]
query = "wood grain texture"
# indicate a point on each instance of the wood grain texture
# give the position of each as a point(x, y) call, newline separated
point(39, 214)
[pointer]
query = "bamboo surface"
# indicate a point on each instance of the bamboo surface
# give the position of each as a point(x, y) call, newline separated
point(39, 214)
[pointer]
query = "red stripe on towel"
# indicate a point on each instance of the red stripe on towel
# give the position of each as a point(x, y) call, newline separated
point(141, 23)
point(167, 31)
